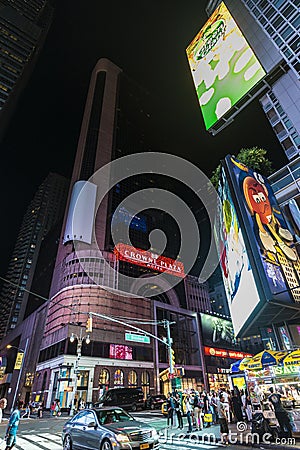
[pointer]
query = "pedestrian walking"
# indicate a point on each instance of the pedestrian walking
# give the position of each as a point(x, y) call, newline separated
point(227, 400)
point(214, 405)
point(12, 428)
point(178, 410)
point(52, 409)
point(189, 411)
point(247, 407)
point(237, 406)
point(3, 404)
point(223, 420)
point(280, 413)
point(40, 410)
point(57, 409)
point(170, 407)
point(27, 412)
point(206, 406)
point(198, 405)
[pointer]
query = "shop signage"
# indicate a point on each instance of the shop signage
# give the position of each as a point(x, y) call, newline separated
point(164, 375)
point(222, 353)
point(285, 370)
point(19, 359)
point(150, 260)
point(137, 338)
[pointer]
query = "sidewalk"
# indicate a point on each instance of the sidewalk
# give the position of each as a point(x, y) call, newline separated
point(237, 436)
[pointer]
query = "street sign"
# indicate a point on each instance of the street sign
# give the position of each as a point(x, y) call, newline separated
point(19, 360)
point(142, 338)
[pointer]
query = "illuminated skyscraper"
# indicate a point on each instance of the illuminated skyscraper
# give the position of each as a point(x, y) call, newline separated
point(44, 211)
point(23, 29)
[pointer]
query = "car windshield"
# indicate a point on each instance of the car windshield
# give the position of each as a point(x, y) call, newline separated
point(106, 417)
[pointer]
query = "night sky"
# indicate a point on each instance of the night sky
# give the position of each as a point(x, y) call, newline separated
point(148, 41)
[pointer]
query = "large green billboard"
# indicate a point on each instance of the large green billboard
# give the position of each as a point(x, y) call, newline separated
point(224, 67)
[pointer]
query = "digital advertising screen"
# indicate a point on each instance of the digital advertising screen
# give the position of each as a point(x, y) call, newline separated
point(224, 67)
point(118, 351)
point(271, 242)
point(239, 283)
point(218, 332)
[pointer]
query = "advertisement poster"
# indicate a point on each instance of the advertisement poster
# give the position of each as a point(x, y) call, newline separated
point(273, 244)
point(223, 66)
point(217, 332)
point(239, 283)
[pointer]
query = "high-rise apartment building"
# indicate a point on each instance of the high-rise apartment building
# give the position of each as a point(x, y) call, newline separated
point(272, 29)
point(23, 29)
point(44, 211)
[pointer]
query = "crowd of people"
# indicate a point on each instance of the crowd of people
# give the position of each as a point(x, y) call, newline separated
point(203, 409)
point(222, 407)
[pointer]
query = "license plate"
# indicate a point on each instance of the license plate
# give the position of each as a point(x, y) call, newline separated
point(142, 446)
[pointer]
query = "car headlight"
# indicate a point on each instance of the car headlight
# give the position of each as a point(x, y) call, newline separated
point(122, 438)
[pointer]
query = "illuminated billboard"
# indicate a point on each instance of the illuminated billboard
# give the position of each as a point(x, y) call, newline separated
point(260, 266)
point(148, 259)
point(217, 331)
point(271, 242)
point(239, 283)
point(224, 67)
point(118, 351)
point(222, 353)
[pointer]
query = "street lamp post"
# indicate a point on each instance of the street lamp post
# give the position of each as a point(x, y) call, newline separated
point(80, 339)
point(20, 372)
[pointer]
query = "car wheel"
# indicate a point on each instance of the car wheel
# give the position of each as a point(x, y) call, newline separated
point(106, 445)
point(152, 406)
point(133, 407)
point(67, 443)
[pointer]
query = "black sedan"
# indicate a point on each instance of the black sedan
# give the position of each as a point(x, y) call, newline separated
point(106, 429)
point(155, 401)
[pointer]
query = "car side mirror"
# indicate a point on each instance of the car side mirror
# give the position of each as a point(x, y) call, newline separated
point(92, 425)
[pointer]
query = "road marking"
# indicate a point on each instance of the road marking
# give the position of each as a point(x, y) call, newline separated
point(30, 442)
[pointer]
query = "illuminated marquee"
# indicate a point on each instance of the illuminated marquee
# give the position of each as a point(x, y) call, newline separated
point(222, 353)
point(223, 66)
point(150, 260)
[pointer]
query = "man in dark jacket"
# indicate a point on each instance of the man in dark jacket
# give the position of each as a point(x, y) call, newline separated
point(280, 413)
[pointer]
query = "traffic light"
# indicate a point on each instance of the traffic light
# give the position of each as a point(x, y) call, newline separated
point(172, 355)
point(89, 325)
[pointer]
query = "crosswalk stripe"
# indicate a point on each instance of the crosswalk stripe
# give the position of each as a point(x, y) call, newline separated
point(31, 442)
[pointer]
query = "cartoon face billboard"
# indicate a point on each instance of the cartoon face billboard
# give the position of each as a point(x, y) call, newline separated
point(270, 241)
point(240, 287)
point(224, 67)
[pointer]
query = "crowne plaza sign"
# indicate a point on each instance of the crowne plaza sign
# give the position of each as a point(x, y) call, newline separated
point(148, 259)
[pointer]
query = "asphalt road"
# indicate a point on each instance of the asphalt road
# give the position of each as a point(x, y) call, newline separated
point(45, 434)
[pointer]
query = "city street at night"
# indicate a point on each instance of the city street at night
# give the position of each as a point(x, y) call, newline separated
point(45, 434)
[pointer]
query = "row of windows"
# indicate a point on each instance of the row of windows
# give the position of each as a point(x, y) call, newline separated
point(83, 274)
point(76, 261)
point(282, 25)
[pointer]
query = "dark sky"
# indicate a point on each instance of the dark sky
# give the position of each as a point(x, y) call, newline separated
point(147, 40)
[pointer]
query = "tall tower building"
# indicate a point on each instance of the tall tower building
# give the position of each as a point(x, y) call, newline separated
point(119, 120)
point(44, 211)
point(272, 30)
point(23, 29)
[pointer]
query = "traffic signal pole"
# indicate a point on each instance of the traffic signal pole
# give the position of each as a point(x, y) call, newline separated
point(169, 343)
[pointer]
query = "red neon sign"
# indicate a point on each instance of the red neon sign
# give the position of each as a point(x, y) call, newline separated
point(144, 258)
point(221, 353)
